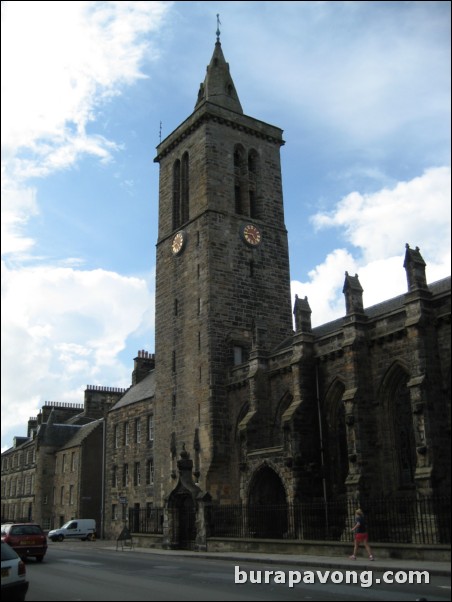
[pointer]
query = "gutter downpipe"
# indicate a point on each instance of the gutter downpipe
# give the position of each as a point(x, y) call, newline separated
point(102, 503)
point(322, 455)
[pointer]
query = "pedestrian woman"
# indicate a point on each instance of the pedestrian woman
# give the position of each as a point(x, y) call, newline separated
point(361, 536)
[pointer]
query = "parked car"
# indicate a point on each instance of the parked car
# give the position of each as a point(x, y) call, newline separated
point(27, 539)
point(77, 528)
point(14, 583)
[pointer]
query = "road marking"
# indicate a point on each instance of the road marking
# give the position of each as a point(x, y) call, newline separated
point(81, 562)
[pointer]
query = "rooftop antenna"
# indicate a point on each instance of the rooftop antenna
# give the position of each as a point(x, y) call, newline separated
point(160, 132)
point(218, 28)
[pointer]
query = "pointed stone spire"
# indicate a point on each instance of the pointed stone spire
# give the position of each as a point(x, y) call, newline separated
point(218, 87)
point(302, 313)
point(414, 265)
point(353, 292)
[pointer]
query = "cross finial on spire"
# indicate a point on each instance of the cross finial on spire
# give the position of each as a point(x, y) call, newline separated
point(218, 27)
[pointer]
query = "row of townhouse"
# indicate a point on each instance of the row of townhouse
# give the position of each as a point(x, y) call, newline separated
point(55, 472)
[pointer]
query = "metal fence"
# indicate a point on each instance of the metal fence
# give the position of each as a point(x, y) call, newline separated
point(389, 520)
point(146, 520)
point(396, 520)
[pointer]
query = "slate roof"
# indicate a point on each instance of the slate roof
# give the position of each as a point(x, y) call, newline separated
point(81, 434)
point(374, 311)
point(145, 389)
point(56, 435)
point(385, 307)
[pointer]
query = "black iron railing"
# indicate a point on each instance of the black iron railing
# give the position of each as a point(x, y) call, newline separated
point(146, 520)
point(396, 520)
point(389, 520)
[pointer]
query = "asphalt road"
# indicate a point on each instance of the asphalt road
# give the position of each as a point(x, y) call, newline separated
point(76, 571)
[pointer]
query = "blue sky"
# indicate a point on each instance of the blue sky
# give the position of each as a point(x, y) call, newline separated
point(361, 90)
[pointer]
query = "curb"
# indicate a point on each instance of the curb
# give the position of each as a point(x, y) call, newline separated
point(309, 561)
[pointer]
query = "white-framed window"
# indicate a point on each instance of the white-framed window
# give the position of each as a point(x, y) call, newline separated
point(126, 433)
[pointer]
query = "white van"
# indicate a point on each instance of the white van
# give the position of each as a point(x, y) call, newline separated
point(77, 528)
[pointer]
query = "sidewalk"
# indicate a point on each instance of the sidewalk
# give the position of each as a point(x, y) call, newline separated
point(326, 562)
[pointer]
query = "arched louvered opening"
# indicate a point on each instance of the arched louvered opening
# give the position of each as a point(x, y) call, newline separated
point(240, 169)
point(185, 189)
point(254, 199)
point(176, 194)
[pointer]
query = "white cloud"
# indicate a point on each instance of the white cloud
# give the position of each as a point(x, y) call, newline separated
point(417, 211)
point(364, 72)
point(378, 226)
point(17, 207)
point(61, 62)
point(61, 328)
point(325, 281)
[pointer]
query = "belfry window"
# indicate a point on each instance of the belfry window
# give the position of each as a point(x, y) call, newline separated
point(253, 184)
point(176, 195)
point(185, 189)
point(246, 183)
point(181, 191)
point(239, 181)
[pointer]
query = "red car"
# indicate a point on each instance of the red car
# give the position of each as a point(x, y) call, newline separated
point(27, 539)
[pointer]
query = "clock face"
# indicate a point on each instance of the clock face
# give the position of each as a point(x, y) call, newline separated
point(252, 235)
point(178, 243)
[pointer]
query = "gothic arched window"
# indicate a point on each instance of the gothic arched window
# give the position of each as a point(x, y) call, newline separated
point(185, 189)
point(239, 180)
point(176, 195)
point(403, 430)
point(335, 435)
point(253, 177)
point(398, 451)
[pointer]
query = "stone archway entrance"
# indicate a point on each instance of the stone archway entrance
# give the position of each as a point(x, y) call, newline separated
point(185, 522)
point(267, 505)
point(182, 516)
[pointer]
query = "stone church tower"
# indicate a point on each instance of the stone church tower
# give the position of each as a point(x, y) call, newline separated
point(223, 284)
point(246, 409)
